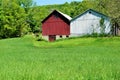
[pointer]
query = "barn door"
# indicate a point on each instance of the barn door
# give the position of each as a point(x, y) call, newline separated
point(52, 38)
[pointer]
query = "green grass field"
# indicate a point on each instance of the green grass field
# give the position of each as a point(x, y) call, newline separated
point(70, 59)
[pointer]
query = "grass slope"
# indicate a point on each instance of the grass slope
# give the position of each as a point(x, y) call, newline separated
point(73, 59)
point(74, 42)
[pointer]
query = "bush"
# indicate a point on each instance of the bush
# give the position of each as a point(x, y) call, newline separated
point(92, 35)
point(38, 37)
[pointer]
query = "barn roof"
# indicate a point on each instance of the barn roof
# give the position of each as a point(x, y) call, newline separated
point(64, 15)
point(88, 11)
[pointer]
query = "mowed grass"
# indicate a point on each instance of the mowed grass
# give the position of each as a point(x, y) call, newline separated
point(70, 59)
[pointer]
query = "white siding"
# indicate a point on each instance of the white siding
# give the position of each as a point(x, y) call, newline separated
point(45, 38)
point(87, 24)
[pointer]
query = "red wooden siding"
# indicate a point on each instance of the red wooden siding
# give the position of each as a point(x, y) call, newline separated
point(55, 25)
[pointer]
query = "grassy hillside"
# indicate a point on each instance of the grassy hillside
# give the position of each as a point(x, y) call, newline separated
point(73, 59)
point(83, 42)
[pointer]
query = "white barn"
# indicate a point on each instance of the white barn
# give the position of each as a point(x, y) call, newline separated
point(88, 23)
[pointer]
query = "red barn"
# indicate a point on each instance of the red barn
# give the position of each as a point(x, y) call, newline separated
point(56, 25)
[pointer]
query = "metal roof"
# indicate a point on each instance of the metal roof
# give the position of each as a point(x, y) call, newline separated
point(65, 15)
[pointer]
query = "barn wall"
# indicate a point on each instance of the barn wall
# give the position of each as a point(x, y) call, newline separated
point(87, 24)
point(45, 38)
point(118, 32)
point(55, 26)
point(57, 37)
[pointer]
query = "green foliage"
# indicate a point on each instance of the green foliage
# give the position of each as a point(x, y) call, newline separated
point(111, 8)
point(102, 25)
point(38, 37)
point(18, 17)
point(89, 40)
point(12, 20)
point(74, 59)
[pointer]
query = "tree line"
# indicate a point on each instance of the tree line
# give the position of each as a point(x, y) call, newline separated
point(19, 17)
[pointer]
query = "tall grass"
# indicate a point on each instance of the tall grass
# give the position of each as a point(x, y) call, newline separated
point(73, 59)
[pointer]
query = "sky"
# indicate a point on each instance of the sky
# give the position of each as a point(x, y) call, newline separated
point(49, 2)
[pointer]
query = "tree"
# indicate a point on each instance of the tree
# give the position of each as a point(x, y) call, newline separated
point(114, 11)
point(12, 19)
point(30, 9)
point(102, 26)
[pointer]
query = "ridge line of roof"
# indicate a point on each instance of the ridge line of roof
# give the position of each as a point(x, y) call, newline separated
point(65, 15)
point(87, 11)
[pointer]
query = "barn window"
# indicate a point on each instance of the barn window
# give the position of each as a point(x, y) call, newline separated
point(90, 12)
point(60, 36)
point(67, 36)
